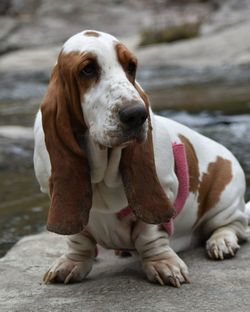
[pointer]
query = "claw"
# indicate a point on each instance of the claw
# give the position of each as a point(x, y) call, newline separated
point(186, 277)
point(209, 254)
point(68, 278)
point(45, 277)
point(53, 275)
point(48, 277)
point(178, 284)
point(172, 281)
point(158, 278)
point(231, 251)
point(221, 256)
point(216, 253)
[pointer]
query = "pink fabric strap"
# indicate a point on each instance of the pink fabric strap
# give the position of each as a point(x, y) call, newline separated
point(124, 212)
point(181, 171)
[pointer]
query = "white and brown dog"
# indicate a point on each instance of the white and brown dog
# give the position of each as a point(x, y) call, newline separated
point(118, 175)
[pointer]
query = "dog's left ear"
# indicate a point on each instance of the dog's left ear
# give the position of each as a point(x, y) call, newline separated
point(145, 194)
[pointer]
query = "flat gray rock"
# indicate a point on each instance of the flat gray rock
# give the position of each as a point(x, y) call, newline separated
point(227, 47)
point(16, 132)
point(118, 284)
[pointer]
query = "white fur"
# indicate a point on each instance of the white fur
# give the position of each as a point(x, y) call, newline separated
point(115, 91)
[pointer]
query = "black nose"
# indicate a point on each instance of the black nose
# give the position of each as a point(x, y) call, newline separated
point(133, 116)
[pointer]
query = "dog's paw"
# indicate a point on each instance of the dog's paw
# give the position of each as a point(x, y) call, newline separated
point(222, 245)
point(67, 271)
point(170, 271)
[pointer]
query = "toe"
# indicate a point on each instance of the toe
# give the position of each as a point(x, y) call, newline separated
point(220, 249)
point(163, 273)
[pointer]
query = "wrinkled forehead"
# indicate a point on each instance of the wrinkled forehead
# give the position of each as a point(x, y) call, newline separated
point(99, 43)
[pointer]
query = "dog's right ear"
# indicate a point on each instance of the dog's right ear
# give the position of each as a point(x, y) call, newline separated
point(70, 184)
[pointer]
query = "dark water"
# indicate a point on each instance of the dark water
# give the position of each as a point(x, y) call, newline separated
point(23, 209)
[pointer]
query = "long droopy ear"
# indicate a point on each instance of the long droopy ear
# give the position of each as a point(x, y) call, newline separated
point(145, 195)
point(70, 184)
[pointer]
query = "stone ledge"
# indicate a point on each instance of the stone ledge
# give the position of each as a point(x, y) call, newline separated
point(220, 62)
point(16, 132)
point(119, 284)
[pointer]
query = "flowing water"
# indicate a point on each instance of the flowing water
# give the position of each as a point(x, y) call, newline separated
point(23, 209)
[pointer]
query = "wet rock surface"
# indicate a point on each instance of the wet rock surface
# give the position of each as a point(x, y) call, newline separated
point(117, 284)
point(220, 54)
point(42, 22)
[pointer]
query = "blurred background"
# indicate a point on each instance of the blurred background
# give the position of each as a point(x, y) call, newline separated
point(194, 63)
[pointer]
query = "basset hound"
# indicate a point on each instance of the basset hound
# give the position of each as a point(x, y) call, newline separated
point(122, 177)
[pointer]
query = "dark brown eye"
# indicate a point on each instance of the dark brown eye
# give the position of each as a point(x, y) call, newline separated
point(131, 68)
point(89, 70)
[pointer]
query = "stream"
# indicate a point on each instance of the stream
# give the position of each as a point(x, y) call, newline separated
point(23, 209)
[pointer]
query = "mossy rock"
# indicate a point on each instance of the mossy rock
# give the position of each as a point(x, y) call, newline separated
point(170, 34)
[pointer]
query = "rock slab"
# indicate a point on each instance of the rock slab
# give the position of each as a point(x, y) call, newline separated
point(117, 284)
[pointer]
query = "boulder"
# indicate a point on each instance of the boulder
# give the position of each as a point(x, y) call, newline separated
point(119, 284)
point(210, 69)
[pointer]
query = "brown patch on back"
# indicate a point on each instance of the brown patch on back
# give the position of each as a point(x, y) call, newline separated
point(193, 166)
point(213, 183)
point(91, 34)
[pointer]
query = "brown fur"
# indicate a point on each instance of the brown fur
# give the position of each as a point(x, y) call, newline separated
point(193, 165)
point(91, 34)
point(145, 195)
point(70, 187)
point(125, 57)
point(213, 183)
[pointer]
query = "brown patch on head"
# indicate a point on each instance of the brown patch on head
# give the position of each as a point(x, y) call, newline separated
point(213, 183)
point(193, 164)
point(127, 60)
point(72, 66)
point(91, 34)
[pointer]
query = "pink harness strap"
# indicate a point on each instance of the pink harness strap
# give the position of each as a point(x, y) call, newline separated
point(181, 170)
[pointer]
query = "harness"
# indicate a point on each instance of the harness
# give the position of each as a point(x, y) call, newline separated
point(181, 171)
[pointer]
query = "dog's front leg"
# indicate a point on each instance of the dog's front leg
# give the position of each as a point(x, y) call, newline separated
point(160, 263)
point(76, 264)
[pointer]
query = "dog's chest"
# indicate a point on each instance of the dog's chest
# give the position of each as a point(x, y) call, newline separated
point(108, 200)
point(110, 231)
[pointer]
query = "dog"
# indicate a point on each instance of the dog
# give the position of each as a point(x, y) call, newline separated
point(122, 177)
